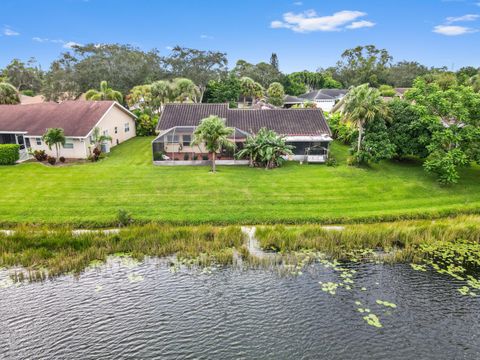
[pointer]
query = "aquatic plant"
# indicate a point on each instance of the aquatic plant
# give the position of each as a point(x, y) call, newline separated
point(373, 320)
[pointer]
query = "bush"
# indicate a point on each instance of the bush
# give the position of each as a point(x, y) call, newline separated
point(95, 155)
point(9, 154)
point(51, 160)
point(186, 156)
point(158, 156)
point(62, 159)
point(40, 155)
point(331, 161)
point(28, 92)
point(124, 218)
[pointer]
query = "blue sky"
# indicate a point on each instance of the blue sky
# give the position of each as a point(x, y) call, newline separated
point(305, 34)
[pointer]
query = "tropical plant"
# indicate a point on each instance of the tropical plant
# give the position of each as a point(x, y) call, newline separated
point(213, 133)
point(8, 94)
point(363, 104)
point(185, 90)
point(250, 88)
point(265, 149)
point(105, 93)
point(276, 93)
point(54, 137)
point(141, 97)
point(146, 123)
point(162, 92)
point(97, 139)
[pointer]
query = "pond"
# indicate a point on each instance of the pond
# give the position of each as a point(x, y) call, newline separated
point(126, 309)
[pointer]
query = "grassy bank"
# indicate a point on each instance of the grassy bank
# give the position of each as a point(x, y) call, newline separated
point(45, 252)
point(90, 194)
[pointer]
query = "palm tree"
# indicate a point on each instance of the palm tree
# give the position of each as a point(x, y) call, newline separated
point(105, 93)
point(8, 94)
point(162, 92)
point(54, 137)
point(213, 133)
point(247, 88)
point(185, 89)
point(362, 104)
point(98, 138)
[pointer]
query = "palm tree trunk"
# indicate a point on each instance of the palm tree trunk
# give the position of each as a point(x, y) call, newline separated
point(213, 161)
point(360, 130)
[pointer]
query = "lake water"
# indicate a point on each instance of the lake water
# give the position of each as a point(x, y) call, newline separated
point(144, 311)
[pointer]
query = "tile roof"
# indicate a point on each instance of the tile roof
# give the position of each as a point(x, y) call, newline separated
point(76, 118)
point(289, 99)
point(283, 121)
point(324, 94)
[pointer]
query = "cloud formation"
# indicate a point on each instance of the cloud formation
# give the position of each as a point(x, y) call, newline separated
point(8, 31)
point(452, 30)
point(71, 44)
point(468, 17)
point(309, 21)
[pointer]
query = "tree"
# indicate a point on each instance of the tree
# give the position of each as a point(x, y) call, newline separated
point(376, 144)
point(84, 67)
point(363, 64)
point(197, 65)
point(146, 123)
point(387, 91)
point(185, 89)
point(363, 104)
point(263, 73)
point(250, 88)
point(265, 149)
point(105, 93)
point(300, 82)
point(224, 90)
point(276, 94)
point(98, 138)
point(162, 92)
point(274, 61)
point(54, 137)
point(140, 96)
point(23, 76)
point(464, 74)
point(404, 73)
point(213, 133)
point(8, 94)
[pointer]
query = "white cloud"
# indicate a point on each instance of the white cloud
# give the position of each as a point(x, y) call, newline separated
point(203, 36)
point(44, 40)
point(170, 48)
point(360, 24)
point(71, 44)
point(298, 3)
point(468, 17)
point(309, 21)
point(452, 30)
point(8, 31)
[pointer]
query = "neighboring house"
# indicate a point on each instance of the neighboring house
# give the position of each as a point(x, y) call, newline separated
point(289, 101)
point(400, 92)
point(25, 125)
point(324, 98)
point(27, 100)
point(305, 129)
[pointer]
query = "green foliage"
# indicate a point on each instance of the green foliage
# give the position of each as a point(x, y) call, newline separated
point(146, 123)
point(124, 218)
point(224, 90)
point(404, 73)
point(105, 93)
point(213, 133)
point(276, 93)
point(298, 83)
point(8, 94)
point(24, 76)
point(185, 90)
point(375, 145)
point(265, 149)
point(141, 96)
point(198, 65)
point(28, 92)
point(262, 73)
point(387, 91)
point(54, 137)
point(343, 131)
point(9, 154)
point(250, 88)
point(409, 131)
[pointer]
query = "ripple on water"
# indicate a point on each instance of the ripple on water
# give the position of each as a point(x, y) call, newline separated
point(236, 313)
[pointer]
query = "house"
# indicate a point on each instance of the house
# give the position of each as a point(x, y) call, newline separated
point(25, 125)
point(324, 98)
point(305, 129)
point(289, 101)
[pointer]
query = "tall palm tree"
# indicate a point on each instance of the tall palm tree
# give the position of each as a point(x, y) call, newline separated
point(54, 137)
point(247, 88)
point(98, 138)
point(162, 92)
point(105, 93)
point(213, 133)
point(362, 104)
point(8, 94)
point(185, 89)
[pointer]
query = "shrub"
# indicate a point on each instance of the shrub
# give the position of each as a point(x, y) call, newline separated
point(62, 159)
point(9, 154)
point(40, 155)
point(95, 155)
point(28, 92)
point(158, 156)
point(124, 218)
point(51, 160)
point(331, 161)
point(186, 156)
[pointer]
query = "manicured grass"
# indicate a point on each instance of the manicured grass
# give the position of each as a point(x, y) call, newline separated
point(91, 194)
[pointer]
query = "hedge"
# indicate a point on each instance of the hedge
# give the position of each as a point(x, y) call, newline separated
point(9, 154)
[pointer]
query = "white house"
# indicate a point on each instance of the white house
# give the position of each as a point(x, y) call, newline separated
point(25, 125)
point(325, 99)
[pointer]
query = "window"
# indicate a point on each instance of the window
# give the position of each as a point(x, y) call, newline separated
point(171, 139)
point(116, 130)
point(187, 139)
point(127, 127)
point(91, 140)
point(38, 141)
point(105, 132)
point(68, 145)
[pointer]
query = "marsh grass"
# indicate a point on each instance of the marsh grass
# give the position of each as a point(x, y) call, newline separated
point(43, 253)
point(393, 242)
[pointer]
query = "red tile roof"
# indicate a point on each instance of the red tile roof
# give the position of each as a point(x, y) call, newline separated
point(283, 121)
point(76, 118)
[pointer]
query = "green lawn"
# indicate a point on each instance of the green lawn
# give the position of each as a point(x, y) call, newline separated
point(92, 193)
